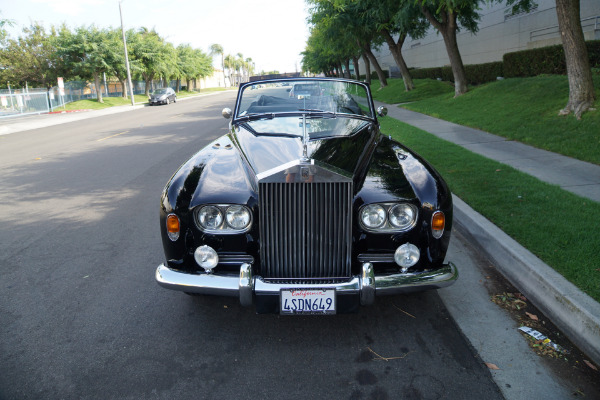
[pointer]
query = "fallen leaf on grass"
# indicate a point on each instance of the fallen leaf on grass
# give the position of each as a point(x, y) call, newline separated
point(589, 364)
point(492, 366)
point(532, 316)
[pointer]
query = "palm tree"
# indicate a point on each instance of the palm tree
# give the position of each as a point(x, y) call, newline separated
point(249, 67)
point(218, 49)
point(229, 63)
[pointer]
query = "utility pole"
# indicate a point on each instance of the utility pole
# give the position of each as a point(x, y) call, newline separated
point(126, 58)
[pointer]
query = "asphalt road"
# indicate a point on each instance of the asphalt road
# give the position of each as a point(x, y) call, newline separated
point(82, 318)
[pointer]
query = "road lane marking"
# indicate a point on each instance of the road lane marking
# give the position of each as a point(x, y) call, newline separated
point(108, 137)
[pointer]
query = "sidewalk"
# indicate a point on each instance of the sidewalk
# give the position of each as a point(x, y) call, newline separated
point(571, 310)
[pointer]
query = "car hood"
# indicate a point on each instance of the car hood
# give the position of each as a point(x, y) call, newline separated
point(268, 144)
point(227, 170)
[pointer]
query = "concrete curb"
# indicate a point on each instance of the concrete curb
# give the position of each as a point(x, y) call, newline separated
point(571, 310)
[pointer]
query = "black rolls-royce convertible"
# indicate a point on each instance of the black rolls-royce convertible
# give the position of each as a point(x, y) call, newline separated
point(305, 207)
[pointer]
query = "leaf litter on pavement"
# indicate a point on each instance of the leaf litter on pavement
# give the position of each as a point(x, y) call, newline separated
point(569, 362)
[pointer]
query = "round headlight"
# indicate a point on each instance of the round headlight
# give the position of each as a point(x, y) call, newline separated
point(373, 216)
point(402, 216)
point(206, 257)
point(407, 255)
point(210, 217)
point(237, 217)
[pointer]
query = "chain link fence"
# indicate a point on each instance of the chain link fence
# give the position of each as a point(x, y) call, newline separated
point(18, 102)
point(23, 102)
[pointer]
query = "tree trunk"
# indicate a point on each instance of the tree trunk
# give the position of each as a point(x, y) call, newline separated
point(178, 84)
point(396, 50)
point(367, 68)
point(373, 59)
point(347, 63)
point(356, 71)
point(124, 86)
point(98, 87)
point(447, 27)
point(148, 81)
point(581, 85)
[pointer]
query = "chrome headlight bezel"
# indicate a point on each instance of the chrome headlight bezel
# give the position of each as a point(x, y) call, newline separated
point(224, 225)
point(387, 225)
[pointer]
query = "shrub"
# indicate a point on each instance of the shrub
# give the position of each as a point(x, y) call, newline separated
point(483, 73)
point(476, 73)
point(544, 60)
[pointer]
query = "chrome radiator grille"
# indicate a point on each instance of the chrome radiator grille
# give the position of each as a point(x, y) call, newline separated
point(305, 229)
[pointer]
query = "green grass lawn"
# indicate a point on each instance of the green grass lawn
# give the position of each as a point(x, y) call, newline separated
point(557, 226)
point(521, 109)
point(394, 93)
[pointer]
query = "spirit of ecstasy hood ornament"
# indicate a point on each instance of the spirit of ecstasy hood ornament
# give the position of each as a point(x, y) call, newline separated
point(304, 158)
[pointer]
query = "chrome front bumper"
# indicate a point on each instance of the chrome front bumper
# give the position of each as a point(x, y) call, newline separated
point(366, 285)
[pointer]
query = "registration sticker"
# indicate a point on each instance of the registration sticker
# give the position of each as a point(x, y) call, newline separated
point(307, 301)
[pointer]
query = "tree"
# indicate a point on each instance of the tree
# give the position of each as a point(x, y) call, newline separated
point(445, 16)
point(30, 58)
point(86, 52)
point(229, 63)
point(4, 22)
point(153, 56)
point(581, 85)
point(116, 57)
point(393, 18)
point(217, 49)
point(343, 25)
point(186, 64)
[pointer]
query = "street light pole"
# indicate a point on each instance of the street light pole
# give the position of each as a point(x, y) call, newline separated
point(126, 58)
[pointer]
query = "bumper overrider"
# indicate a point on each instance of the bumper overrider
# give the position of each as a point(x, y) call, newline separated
point(246, 286)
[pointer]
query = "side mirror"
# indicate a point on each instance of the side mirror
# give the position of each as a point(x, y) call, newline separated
point(226, 113)
point(382, 111)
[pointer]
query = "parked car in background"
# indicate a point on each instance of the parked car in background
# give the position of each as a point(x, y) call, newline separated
point(162, 96)
point(305, 207)
point(308, 89)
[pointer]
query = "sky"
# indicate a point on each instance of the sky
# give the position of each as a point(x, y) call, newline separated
point(271, 32)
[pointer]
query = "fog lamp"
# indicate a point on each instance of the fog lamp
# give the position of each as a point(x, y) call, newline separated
point(406, 256)
point(206, 257)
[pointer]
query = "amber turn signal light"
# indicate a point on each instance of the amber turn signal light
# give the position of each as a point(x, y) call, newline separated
point(173, 227)
point(438, 222)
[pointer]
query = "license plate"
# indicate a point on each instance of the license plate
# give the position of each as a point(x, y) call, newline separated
point(307, 301)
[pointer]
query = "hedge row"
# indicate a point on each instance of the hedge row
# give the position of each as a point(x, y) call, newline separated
point(543, 60)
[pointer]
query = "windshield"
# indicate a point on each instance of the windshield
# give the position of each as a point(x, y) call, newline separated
point(160, 91)
point(315, 96)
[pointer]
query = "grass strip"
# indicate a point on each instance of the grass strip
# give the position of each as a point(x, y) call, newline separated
point(521, 109)
point(555, 225)
point(394, 93)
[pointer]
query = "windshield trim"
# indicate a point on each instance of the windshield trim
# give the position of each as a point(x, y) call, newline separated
point(241, 118)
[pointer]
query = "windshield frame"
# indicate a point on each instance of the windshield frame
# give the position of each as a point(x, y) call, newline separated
point(244, 118)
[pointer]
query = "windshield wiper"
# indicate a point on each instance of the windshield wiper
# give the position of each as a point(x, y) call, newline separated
point(252, 117)
point(322, 113)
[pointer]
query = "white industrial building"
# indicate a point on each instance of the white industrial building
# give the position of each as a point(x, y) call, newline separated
point(498, 34)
